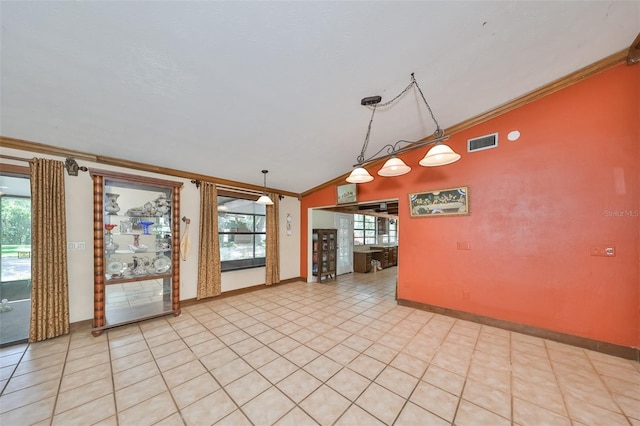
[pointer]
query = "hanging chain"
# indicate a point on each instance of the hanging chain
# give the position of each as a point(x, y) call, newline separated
point(438, 134)
point(360, 158)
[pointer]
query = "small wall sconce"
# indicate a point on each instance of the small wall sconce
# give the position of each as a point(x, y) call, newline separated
point(289, 220)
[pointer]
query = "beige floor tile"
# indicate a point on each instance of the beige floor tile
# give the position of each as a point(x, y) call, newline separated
point(301, 355)
point(413, 415)
point(321, 344)
point(128, 349)
point(236, 418)
point(134, 375)
point(299, 385)
point(469, 414)
point(550, 399)
point(246, 346)
point(193, 390)
point(247, 387)
point(89, 413)
point(296, 417)
point(231, 371)
point(268, 407)
point(37, 364)
point(13, 400)
point(357, 343)
point(209, 409)
point(183, 373)
point(88, 350)
point(356, 416)
point(277, 369)
point(433, 399)
point(207, 347)
point(175, 359)
point(381, 352)
point(528, 414)
point(91, 361)
point(397, 381)
point(260, 357)
point(381, 402)
point(348, 383)
point(325, 405)
point(409, 364)
point(84, 394)
point(495, 379)
point(218, 358)
point(284, 345)
point(29, 414)
point(23, 381)
point(367, 366)
point(149, 411)
point(124, 363)
point(139, 392)
point(444, 379)
point(489, 398)
point(630, 407)
point(591, 414)
point(322, 368)
point(173, 420)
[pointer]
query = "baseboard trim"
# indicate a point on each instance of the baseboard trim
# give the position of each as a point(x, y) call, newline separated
point(569, 339)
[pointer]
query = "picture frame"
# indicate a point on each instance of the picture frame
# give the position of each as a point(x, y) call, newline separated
point(438, 203)
point(347, 194)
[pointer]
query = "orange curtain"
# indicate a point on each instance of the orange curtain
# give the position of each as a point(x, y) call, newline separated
point(209, 275)
point(49, 280)
point(273, 241)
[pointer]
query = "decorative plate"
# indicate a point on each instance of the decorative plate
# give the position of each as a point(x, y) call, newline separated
point(162, 264)
point(115, 267)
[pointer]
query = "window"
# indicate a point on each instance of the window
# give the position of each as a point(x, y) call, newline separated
point(242, 232)
point(373, 230)
point(364, 229)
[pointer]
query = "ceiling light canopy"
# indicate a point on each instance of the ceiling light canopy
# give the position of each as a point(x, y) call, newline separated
point(439, 155)
point(264, 198)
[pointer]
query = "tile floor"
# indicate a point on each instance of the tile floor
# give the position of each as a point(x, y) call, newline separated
point(338, 353)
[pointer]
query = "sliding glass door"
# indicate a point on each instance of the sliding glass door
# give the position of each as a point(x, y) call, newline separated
point(15, 262)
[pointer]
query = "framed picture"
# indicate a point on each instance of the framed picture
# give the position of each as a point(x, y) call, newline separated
point(443, 202)
point(347, 194)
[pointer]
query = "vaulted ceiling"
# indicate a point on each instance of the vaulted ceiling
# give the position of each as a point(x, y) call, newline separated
point(226, 89)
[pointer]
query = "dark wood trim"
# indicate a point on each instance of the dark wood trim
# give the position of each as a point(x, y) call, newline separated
point(13, 170)
point(634, 52)
point(125, 177)
point(25, 145)
point(224, 295)
point(559, 84)
point(569, 339)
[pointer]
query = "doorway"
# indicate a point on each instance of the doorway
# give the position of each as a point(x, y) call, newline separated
point(344, 225)
point(15, 259)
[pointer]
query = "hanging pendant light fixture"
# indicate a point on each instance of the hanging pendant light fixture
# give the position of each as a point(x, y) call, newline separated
point(439, 155)
point(264, 198)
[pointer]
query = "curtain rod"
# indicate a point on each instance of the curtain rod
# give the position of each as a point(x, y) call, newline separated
point(197, 183)
point(11, 157)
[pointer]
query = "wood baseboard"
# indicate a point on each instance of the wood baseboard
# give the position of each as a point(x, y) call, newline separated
point(569, 339)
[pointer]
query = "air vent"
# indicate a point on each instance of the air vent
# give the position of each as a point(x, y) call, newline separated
point(483, 142)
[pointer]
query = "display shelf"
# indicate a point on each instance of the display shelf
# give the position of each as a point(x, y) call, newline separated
point(324, 252)
point(136, 256)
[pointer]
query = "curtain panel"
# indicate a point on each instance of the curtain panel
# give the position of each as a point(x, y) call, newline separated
point(209, 275)
point(273, 241)
point(49, 279)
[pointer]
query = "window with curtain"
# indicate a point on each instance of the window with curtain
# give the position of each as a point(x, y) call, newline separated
point(243, 233)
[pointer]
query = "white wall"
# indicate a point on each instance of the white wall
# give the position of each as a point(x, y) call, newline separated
point(79, 211)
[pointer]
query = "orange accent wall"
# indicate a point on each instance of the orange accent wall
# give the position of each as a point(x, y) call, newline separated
point(538, 206)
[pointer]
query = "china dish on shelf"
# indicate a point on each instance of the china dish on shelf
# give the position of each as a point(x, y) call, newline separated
point(138, 249)
point(115, 267)
point(162, 264)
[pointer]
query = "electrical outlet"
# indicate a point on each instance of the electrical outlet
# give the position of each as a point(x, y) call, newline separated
point(75, 245)
point(464, 245)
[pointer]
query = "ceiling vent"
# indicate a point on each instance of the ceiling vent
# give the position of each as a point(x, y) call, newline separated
point(483, 142)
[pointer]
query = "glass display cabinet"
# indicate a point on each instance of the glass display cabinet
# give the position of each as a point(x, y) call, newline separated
point(136, 226)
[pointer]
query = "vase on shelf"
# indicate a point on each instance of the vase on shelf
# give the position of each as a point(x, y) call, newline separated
point(111, 203)
point(109, 227)
point(145, 227)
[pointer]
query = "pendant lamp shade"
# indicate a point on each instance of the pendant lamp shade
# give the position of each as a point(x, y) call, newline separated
point(359, 175)
point(394, 166)
point(264, 199)
point(439, 155)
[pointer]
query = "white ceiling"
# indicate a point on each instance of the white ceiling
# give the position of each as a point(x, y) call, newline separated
point(227, 89)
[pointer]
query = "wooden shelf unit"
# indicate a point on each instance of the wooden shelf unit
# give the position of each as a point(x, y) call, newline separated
point(324, 253)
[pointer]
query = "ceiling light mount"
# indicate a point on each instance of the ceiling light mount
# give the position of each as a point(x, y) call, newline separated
point(438, 155)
